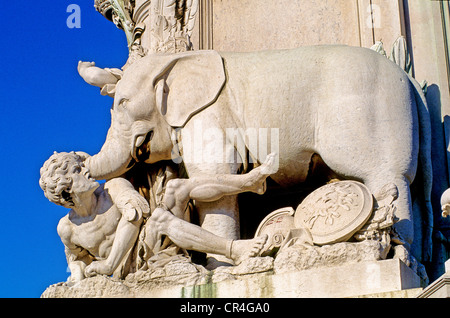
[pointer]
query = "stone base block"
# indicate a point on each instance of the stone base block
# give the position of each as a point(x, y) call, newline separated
point(405, 293)
point(388, 278)
point(349, 280)
point(438, 289)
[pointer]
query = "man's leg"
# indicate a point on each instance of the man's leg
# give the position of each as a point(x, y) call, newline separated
point(193, 237)
point(211, 188)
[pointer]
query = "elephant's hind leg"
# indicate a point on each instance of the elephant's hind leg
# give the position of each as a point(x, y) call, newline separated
point(404, 227)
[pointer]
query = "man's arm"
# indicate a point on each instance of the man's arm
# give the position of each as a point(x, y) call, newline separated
point(77, 257)
point(126, 235)
point(132, 206)
point(77, 260)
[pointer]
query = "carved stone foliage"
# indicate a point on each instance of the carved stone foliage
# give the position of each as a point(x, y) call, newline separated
point(172, 22)
point(169, 23)
point(119, 12)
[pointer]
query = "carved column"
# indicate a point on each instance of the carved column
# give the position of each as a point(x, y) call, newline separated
point(205, 25)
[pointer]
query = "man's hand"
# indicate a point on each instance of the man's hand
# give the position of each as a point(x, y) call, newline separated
point(98, 268)
point(135, 207)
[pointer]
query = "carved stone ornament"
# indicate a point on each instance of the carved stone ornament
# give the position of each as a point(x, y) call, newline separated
point(277, 226)
point(169, 22)
point(334, 212)
point(119, 12)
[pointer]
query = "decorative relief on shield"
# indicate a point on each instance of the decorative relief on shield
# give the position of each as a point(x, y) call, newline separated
point(334, 212)
point(277, 226)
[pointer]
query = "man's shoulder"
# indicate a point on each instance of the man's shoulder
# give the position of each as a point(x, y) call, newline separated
point(64, 227)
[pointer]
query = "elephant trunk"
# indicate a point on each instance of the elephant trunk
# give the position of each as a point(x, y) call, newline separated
point(114, 158)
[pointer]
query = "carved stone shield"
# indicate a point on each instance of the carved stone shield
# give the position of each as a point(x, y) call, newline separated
point(334, 212)
point(277, 226)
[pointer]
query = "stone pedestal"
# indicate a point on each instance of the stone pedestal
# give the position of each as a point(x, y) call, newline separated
point(439, 288)
point(388, 278)
point(349, 280)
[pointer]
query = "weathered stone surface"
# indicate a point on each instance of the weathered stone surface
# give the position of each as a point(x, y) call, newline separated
point(150, 283)
point(299, 258)
point(312, 265)
point(385, 278)
point(345, 280)
point(98, 286)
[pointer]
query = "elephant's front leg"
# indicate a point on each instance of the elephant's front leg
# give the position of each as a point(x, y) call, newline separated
point(219, 217)
point(222, 219)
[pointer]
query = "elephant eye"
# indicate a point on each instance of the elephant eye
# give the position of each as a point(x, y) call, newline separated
point(122, 102)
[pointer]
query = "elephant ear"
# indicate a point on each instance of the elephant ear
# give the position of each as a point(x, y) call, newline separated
point(188, 84)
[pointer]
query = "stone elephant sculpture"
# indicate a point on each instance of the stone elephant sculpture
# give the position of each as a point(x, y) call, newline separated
point(363, 115)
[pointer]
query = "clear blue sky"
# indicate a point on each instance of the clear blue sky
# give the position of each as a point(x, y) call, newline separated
point(45, 107)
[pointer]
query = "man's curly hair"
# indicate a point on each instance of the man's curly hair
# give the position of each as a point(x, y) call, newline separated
point(54, 180)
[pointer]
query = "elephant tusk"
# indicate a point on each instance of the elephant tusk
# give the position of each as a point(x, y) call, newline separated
point(139, 141)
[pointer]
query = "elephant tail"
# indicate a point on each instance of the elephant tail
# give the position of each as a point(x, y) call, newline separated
point(425, 167)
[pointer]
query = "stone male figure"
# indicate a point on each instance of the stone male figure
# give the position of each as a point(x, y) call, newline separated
point(104, 221)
